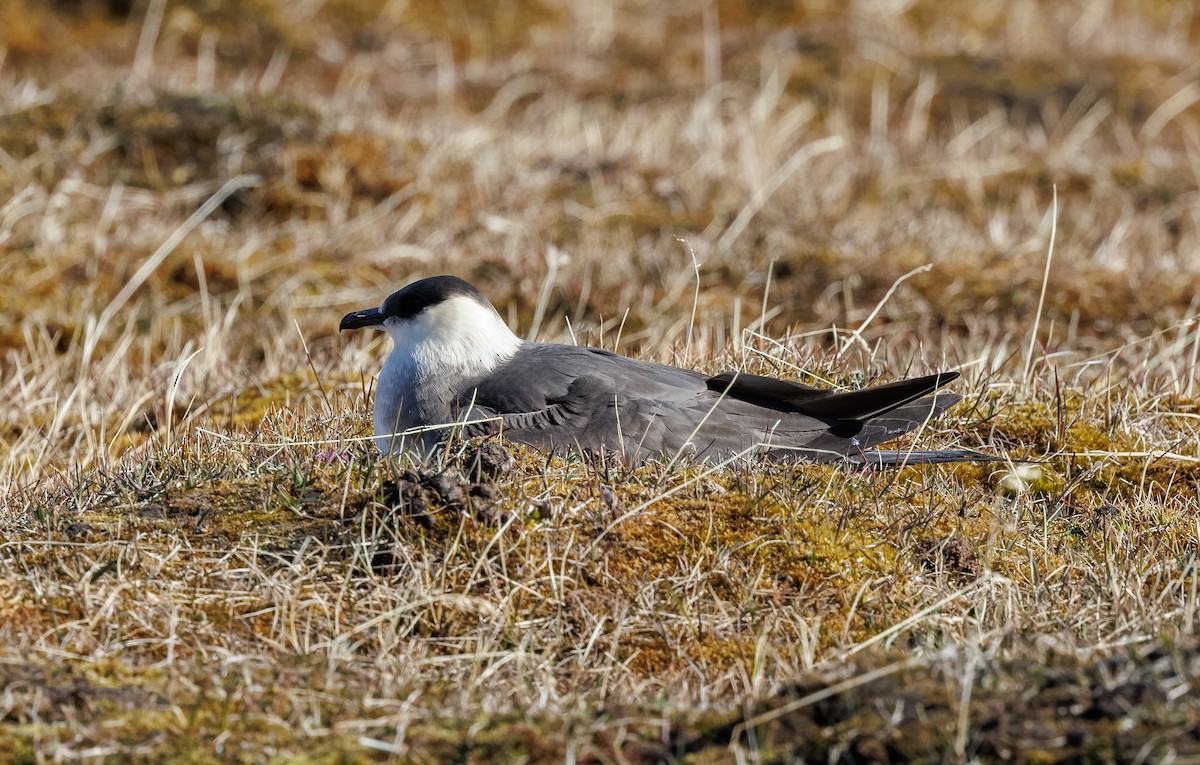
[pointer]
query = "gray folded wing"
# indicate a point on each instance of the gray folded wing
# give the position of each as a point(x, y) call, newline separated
point(557, 397)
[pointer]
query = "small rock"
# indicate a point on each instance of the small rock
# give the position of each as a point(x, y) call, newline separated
point(419, 495)
point(448, 486)
point(1019, 479)
point(486, 460)
point(483, 491)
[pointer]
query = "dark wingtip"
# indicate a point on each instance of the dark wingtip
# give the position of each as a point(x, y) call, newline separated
point(860, 404)
point(370, 317)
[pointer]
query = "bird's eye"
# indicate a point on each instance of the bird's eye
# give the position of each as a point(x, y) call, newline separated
point(405, 306)
point(418, 296)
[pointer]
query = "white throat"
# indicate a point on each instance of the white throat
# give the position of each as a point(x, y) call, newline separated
point(459, 337)
point(435, 354)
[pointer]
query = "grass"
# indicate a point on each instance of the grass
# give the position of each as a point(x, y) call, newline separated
point(202, 558)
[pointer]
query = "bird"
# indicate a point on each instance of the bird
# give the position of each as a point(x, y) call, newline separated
point(456, 366)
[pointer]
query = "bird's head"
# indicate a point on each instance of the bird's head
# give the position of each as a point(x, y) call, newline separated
point(441, 316)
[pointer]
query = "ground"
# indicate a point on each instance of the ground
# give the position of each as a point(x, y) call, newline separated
point(203, 559)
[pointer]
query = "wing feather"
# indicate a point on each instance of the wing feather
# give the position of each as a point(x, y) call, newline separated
point(861, 404)
point(561, 397)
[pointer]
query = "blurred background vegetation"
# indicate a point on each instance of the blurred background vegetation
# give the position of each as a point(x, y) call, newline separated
point(608, 129)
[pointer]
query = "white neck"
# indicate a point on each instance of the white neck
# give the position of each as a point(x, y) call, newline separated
point(435, 355)
point(459, 337)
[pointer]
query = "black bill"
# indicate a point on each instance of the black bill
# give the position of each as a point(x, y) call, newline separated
point(371, 317)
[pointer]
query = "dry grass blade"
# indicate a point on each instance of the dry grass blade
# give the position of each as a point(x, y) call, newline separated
point(1037, 315)
point(856, 335)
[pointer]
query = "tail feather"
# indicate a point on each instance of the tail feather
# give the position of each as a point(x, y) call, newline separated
point(905, 418)
point(862, 404)
point(871, 404)
point(856, 420)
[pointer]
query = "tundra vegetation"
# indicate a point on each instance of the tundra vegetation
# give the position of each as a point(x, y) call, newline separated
point(203, 560)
